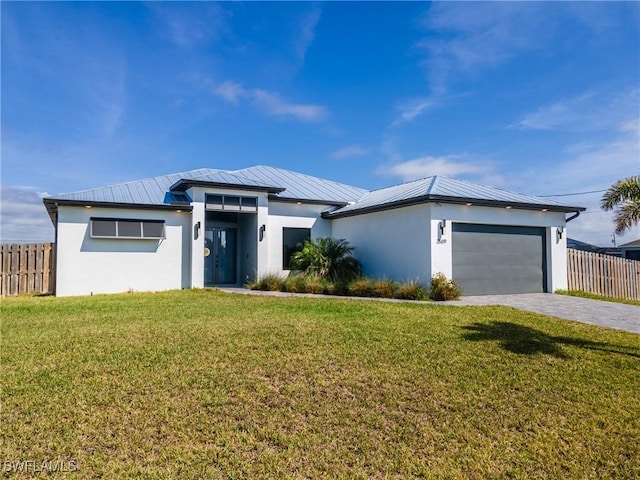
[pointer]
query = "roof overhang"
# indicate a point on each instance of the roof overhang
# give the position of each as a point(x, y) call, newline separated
point(52, 205)
point(455, 201)
point(276, 198)
point(184, 184)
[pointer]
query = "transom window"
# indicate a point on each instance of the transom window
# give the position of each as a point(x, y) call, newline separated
point(231, 203)
point(127, 228)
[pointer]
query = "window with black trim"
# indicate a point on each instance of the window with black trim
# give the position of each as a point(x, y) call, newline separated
point(127, 228)
point(232, 203)
point(292, 241)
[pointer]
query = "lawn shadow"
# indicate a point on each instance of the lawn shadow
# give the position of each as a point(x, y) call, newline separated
point(529, 341)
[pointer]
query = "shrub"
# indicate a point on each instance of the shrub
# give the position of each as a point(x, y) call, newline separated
point(361, 287)
point(443, 289)
point(411, 291)
point(385, 288)
point(295, 284)
point(269, 282)
point(328, 258)
point(316, 284)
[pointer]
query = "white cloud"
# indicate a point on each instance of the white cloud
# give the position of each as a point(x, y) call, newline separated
point(307, 32)
point(189, 24)
point(587, 112)
point(450, 165)
point(23, 217)
point(350, 151)
point(230, 91)
point(407, 111)
point(270, 103)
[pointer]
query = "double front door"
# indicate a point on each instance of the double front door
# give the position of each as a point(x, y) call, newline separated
point(221, 259)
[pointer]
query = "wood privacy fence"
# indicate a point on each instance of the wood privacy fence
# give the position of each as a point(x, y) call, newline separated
point(26, 268)
point(603, 274)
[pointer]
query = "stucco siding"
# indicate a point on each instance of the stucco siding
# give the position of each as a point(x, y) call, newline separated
point(88, 265)
point(391, 244)
point(292, 215)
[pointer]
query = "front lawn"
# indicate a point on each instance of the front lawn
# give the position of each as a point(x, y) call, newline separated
point(201, 384)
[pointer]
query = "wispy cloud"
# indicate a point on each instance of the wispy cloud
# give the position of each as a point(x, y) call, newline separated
point(270, 103)
point(307, 32)
point(189, 24)
point(349, 152)
point(409, 110)
point(587, 112)
point(23, 218)
point(449, 165)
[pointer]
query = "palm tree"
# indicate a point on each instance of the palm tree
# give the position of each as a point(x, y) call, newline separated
point(328, 258)
point(624, 196)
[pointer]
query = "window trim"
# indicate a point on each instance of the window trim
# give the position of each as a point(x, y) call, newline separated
point(251, 205)
point(286, 262)
point(117, 236)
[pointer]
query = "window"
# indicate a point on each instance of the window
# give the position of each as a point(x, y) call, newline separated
point(127, 228)
point(232, 203)
point(292, 242)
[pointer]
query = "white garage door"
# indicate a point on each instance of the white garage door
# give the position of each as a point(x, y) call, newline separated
point(491, 259)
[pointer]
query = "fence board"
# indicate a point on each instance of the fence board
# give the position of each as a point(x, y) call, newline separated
point(26, 268)
point(603, 274)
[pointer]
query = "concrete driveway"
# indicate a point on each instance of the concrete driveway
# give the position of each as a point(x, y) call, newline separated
point(595, 312)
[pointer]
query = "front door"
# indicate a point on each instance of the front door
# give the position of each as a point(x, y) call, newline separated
point(221, 259)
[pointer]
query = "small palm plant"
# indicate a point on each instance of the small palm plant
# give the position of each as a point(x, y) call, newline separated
point(624, 197)
point(328, 258)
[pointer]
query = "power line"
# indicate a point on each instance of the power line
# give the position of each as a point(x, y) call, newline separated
point(572, 194)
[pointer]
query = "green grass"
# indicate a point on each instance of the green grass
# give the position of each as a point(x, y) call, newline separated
point(201, 384)
point(578, 293)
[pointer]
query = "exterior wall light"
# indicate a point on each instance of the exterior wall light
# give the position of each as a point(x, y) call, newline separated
point(560, 232)
point(262, 232)
point(508, 207)
point(196, 230)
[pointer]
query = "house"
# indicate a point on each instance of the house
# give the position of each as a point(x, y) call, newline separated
point(211, 227)
point(631, 250)
point(587, 247)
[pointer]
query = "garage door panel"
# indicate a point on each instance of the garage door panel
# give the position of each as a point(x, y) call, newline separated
point(489, 259)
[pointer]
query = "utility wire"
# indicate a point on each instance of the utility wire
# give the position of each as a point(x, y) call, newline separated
point(571, 194)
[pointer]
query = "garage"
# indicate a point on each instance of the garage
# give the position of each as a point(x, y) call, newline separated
point(496, 259)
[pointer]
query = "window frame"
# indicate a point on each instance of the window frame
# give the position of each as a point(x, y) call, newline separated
point(288, 252)
point(129, 221)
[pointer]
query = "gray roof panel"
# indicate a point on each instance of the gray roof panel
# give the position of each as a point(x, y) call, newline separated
point(439, 188)
point(299, 186)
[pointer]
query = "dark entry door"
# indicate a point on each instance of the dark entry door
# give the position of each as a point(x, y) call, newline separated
point(221, 259)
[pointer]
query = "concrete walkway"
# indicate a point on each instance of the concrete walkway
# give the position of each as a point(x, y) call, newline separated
point(595, 312)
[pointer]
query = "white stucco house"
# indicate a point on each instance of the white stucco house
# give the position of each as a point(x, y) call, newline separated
point(211, 227)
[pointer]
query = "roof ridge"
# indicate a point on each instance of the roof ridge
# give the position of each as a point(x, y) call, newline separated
point(403, 183)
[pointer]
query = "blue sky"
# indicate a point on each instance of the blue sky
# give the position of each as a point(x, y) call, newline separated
point(539, 98)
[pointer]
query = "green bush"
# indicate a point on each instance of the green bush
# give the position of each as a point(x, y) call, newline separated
point(295, 284)
point(443, 289)
point(362, 287)
point(385, 288)
point(328, 258)
point(411, 291)
point(269, 282)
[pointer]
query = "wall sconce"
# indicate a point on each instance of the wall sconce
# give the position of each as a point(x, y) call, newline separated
point(442, 228)
point(560, 232)
point(262, 232)
point(196, 230)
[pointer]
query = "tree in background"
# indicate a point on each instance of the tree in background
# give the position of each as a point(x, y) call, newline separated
point(624, 197)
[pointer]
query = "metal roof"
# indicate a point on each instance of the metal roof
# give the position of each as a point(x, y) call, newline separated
point(299, 186)
point(167, 191)
point(226, 179)
point(446, 190)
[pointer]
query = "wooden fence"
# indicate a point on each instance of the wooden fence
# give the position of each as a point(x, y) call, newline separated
point(603, 274)
point(27, 268)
